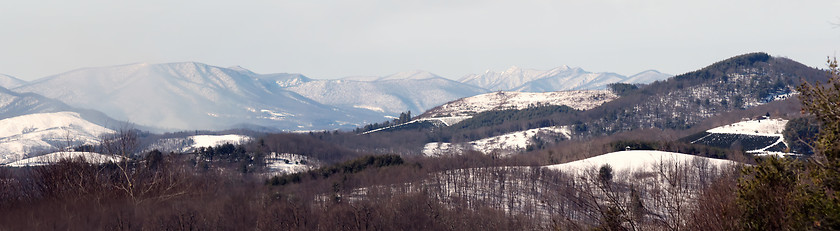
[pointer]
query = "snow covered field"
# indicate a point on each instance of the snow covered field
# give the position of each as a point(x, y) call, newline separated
point(769, 128)
point(636, 161)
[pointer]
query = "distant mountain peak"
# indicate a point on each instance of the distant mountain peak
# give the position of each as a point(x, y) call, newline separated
point(414, 74)
point(556, 79)
point(647, 76)
point(512, 69)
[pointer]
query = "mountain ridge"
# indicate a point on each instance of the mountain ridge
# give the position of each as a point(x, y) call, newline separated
point(555, 79)
point(8, 81)
point(187, 95)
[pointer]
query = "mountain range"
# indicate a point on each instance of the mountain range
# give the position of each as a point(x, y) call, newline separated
point(189, 96)
point(196, 96)
point(557, 79)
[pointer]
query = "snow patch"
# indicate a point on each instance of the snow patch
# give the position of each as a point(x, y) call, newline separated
point(215, 140)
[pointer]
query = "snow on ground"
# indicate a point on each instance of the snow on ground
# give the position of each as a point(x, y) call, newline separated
point(766, 127)
point(504, 144)
point(90, 157)
point(41, 132)
point(636, 160)
point(287, 163)
point(214, 140)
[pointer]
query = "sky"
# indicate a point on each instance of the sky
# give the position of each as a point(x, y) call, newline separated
point(327, 39)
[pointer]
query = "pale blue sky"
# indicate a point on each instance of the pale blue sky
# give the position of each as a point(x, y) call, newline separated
point(452, 38)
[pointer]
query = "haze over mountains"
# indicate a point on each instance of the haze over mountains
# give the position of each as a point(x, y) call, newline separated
point(7, 81)
point(557, 79)
point(196, 96)
point(184, 96)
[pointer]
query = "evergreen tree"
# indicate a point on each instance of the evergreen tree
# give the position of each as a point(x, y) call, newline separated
point(782, 194)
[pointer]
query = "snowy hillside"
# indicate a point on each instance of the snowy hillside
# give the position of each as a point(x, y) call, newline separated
point(768, 127)
point(759, 137)
point(29, 134)
point(557, 79)
point(90, 157)
point(503, 145)
point(7, 81)
point(636, 161)
point(387, 96)
point(187, 96)
point(466, 107)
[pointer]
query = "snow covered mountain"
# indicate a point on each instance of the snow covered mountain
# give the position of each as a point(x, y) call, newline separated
point(645, 77)
point(415, 74)
point(195, 96)
point(40, 132)
point(389, 95)
point(188, 96)
point(557, 79)
point(14, 104)
point(7, 81)
point(509, 79)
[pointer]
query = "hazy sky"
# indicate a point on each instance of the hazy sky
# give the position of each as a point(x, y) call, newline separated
point(452, 38)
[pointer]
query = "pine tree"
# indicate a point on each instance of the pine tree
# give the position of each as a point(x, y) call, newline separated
point(781, 194)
